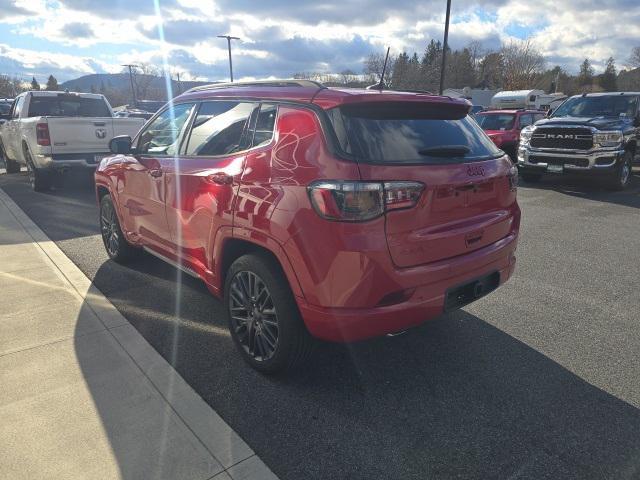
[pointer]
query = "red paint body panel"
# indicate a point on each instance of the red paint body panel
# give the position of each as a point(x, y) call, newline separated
point(342, 274)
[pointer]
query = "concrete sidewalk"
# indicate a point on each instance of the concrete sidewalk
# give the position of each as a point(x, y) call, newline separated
point(82, 394)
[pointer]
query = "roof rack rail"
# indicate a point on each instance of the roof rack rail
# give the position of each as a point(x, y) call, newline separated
point(260, 83)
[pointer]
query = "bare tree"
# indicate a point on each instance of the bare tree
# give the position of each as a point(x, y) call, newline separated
point(10, 86)
point(522, 64)
point(374, 64)
point(634, 59)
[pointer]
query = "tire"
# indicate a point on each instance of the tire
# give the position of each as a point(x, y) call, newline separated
point(116, 245)
point(10, 165)
point(622, 176)
point(40, 180)
point(263, 316)
point(531, 177)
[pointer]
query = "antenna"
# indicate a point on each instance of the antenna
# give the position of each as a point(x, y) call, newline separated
point(380, 85)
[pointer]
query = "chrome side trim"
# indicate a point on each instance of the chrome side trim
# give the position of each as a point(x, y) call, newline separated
point(185, 269)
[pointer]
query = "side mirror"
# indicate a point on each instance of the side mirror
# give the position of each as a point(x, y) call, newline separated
point(120, 145)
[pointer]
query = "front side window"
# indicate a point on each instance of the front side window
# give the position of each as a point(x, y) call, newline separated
point(219, 128)
point(495, 121)
point(162, 136)
point(395, 133)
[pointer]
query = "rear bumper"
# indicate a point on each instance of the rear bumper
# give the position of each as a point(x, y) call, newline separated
point(426, 302)
point(80, 161)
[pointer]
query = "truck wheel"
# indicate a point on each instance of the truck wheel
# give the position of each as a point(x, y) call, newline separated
point(263, 317)
point(118, 249)
point(531, 177)
point(40, 180)
point(622, 176)
point(11, 165)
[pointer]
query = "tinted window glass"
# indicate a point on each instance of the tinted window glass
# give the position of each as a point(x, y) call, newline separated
point(409, 133)
point(264, 125)
point(68, 106)
point(604, 106)
point(495, 121)
point(537, 117)
point(5, 108)
point(162, 136)
point(218, 128)
point(18, 107)
point(525, 120)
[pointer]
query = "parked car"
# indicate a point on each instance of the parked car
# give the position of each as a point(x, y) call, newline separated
point(316, 212)
point(56, 131)
point(595, 135)
point(503, 127)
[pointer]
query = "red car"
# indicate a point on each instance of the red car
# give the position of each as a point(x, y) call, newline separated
point(503, 127)
point(316, 212)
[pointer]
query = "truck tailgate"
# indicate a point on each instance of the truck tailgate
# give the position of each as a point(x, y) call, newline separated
point(88, 134)
point(80, 134)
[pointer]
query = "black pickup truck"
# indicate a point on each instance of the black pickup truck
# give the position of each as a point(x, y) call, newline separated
point(596, 134)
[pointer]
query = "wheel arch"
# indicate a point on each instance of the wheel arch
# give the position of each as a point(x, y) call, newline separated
point(233, 247)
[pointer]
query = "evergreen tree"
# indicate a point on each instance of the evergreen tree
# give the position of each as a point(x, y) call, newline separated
point(34, 84)
point(585, 77)
point(52, 83)
point(608, 78)
point(400, 72)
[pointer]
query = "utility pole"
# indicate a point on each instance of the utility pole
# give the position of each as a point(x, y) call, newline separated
point(133, 90)
point(444, 46)
point(229, 38)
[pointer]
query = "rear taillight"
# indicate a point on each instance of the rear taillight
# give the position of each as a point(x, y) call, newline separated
point(353, 201)
point(42, 135)
point(513, 178)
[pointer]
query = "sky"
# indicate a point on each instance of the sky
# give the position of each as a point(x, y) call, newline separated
point(71, 38)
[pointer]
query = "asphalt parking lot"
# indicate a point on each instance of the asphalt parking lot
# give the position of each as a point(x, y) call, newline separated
point(538, 380)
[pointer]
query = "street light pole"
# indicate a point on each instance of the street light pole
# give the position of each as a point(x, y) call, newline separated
point(444, 46)
point(229, 38)
point(133, 90)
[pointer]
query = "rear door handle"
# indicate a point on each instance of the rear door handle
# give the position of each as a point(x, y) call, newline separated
point(155, 172)
point(220, 178)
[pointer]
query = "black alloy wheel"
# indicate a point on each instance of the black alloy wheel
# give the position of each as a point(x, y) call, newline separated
point(253, 316)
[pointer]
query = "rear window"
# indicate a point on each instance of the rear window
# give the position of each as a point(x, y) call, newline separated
point(409, 133)
point(495, 121)
point(68, 106)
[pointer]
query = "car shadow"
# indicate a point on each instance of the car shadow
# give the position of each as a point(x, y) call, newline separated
point(590, 189)
point(454, 398)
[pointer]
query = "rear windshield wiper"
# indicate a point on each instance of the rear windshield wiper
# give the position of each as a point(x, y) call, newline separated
point(445, 151)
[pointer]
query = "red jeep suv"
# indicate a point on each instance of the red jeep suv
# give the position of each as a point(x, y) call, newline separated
point(503, 127)
point(338, 214)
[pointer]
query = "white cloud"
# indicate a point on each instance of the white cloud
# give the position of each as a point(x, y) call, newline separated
point(281, 37)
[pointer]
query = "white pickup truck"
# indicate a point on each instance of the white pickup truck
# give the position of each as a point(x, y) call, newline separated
point(50, 132)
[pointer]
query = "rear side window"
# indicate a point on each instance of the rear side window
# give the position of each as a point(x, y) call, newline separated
point(396, 133)
point(526, 120)
point(219, 128)
point(265, 123)
point(68, 106)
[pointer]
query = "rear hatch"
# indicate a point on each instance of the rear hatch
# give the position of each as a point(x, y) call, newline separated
point(469, 197)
